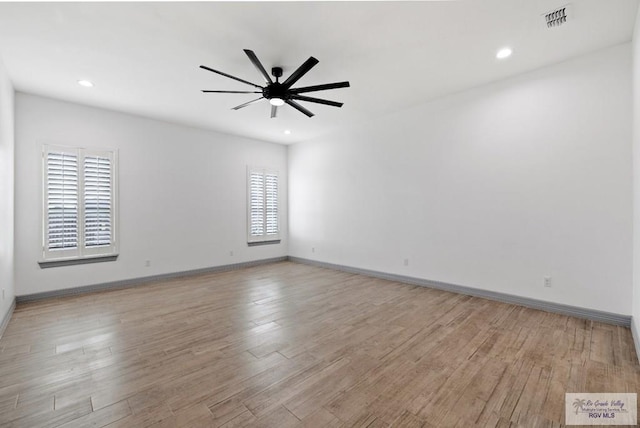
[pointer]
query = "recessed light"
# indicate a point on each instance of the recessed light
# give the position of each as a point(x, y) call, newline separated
point(287, 132)
point(504, 53)
point(85, 83)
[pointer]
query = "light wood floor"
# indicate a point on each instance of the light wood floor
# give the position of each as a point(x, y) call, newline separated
point(288, 345)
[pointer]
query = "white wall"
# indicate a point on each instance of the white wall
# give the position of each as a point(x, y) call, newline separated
point(182, 193)
point(6, 192)
point(492, 188)
point(636, 184)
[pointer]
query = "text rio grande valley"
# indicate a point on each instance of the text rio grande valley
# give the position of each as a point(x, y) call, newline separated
point(603, 409)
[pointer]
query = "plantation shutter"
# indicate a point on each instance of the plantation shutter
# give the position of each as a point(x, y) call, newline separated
point(62, 202)
point(97, 201)
point(79, 203)
point(256, 211)
point(271, 204)
point(263, 205)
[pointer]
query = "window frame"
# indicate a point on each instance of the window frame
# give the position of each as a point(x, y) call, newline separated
point(265, 238)
point(81, 253)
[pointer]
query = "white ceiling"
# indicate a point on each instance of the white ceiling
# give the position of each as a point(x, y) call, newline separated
point(144, 57)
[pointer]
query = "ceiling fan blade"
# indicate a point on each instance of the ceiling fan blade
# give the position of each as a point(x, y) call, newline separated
point(247, 103)
point(254, 59)
point(274, 111)
point(233, 92)
point(298, 107)
point(229, 76)
point(316, 100)
point(301, 71)
point(319, 87)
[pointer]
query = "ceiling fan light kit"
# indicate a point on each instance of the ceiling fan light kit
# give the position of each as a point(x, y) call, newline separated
point(280, 93)
point(276, 102)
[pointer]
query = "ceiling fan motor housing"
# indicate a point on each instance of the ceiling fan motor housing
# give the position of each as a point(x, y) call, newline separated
point(275, 90)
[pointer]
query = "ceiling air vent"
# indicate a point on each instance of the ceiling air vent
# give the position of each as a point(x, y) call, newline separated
point(558, 16)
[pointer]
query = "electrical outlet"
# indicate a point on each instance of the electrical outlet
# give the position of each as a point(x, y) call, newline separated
point(313, 249)
point(3, 294)
point(231, 253)
point(406, 262)
point(547, 281)
point(147, 263)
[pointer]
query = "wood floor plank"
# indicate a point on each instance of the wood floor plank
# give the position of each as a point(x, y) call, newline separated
point(149, 416)
point(102, 417)
point(53, 418)
point(291, 345)
point(190, 417)
point(243, 419)
point(227, 399)
point(278, 417)
point(321, 418)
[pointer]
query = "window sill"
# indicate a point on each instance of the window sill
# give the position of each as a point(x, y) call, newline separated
point(77, 261)
point(258, 243)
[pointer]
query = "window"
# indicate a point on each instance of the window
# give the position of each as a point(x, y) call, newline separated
point(263, 219)
point(79, 218)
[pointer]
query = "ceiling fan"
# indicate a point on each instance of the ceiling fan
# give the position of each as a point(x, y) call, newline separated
point(280, 93)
